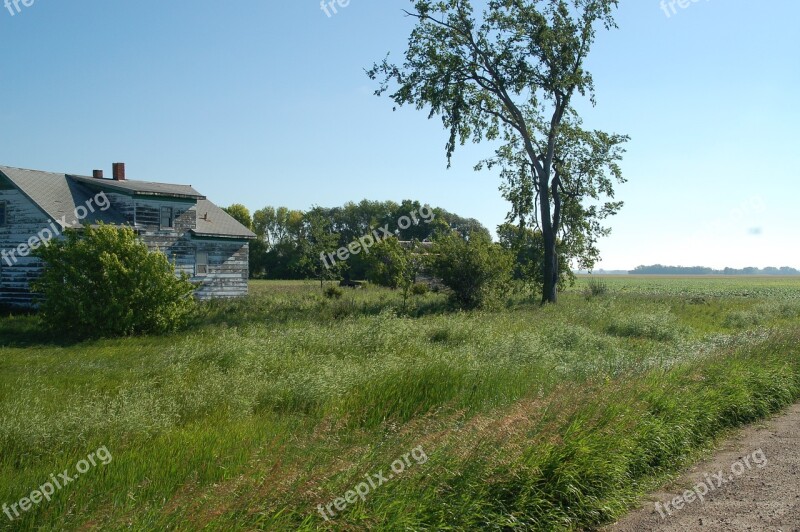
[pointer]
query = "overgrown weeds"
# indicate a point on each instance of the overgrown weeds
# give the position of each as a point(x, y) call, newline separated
point(548, 418)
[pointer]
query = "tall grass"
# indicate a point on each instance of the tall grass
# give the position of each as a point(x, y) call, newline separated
point(532, 418)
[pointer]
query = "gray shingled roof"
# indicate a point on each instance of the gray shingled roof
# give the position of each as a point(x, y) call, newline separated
point(58, 196)
point(144, 188)
point(214, 222)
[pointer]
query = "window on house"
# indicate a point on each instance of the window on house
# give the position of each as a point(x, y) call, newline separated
point(167, 218)
point(3, 213)
point(201, 263)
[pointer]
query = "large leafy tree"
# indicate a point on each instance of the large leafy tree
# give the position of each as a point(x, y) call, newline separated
point(510, 75)
point(318, 239)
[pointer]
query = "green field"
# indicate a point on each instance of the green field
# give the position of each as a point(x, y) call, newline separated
point(553, 418)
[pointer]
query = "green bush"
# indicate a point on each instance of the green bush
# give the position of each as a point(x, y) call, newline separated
point(475, 270)
point(333, 292)
point(104, 281)
point(419, 289)
point(389, 265)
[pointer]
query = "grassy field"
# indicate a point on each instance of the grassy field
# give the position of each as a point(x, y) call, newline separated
point(271, 409)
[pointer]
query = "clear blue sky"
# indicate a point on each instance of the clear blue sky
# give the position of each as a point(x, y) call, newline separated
point(266, 103)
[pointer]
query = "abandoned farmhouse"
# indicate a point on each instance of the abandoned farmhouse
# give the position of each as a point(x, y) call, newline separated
point(201, 239)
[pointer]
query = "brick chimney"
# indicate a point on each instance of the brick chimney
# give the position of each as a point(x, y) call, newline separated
point(119, 171)
point(97, 174)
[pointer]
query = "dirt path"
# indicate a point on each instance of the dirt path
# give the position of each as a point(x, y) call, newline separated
point(756, 491)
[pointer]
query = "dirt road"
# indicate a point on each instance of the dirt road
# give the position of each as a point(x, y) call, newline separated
point(755, 491)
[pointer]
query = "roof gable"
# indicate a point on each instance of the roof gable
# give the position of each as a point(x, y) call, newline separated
point(215, 222)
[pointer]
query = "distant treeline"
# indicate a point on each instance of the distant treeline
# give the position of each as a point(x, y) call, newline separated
point(290, 242)
point(659, 269)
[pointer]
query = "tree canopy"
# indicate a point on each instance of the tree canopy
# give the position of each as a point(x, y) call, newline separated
point(290, 242)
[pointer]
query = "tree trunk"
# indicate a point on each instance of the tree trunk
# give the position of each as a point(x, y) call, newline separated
point(550, 287)
point(550, 266)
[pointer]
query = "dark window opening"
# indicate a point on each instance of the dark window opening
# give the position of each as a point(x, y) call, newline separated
point(167, 218)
